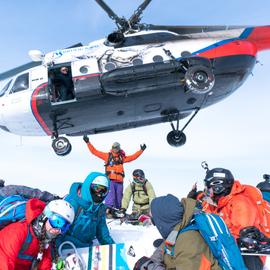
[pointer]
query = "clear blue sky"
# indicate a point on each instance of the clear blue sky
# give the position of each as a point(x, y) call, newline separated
point(233, 133)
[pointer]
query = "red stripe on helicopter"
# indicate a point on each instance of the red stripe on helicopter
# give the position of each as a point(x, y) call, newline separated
point(236, 47)
point(35, 110)
point(86, 76)
point(260, 36)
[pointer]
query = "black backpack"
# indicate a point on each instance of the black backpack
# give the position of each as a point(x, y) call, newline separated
point(134, 189)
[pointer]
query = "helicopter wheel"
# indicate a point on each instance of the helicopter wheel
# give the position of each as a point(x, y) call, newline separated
point(176, 138)
point(61, 146)
point(199, 79)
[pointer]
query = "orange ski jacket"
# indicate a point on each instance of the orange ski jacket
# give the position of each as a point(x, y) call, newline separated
point(115, 171)
point(237, 210)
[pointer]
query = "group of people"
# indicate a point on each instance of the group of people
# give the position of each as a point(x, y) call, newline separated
point(224, 196)
point(81, 216)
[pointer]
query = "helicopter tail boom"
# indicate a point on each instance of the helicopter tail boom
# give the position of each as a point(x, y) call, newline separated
point(259, 35)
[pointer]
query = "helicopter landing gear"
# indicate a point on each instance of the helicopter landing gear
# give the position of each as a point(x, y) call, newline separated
point(177, 137)
point(61, 146)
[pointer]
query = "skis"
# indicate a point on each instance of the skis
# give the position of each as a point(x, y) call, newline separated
point(254, 254)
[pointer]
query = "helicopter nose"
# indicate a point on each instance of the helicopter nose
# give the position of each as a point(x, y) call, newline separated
point(2, 120)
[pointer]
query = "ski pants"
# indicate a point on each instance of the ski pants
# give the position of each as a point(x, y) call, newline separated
point(114, 198)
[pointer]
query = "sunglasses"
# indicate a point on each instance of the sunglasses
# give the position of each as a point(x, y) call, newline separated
point(57, 222)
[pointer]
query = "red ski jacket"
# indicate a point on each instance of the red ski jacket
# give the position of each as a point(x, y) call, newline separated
point(19, 245)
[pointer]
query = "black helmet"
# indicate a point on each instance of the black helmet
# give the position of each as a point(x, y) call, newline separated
point(2, 183)
point(220, 180)
point(265, 186)
point(138, 173)
point(138, 176)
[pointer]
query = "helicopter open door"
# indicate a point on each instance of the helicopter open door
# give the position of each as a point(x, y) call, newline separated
point(60, 83)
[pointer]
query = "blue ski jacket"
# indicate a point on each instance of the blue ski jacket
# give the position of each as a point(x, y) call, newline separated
point(90, 218)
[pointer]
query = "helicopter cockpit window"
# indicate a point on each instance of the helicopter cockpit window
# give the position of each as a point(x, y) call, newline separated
point(21, 83)
point(5, 88)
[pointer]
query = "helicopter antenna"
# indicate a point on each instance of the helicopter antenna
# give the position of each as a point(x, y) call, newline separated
point(136, 17)
point(120, 22)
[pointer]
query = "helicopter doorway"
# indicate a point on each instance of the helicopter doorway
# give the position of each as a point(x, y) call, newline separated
point(61, 85)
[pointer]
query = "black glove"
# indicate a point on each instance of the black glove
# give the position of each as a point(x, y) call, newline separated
point(143, 146)
point(85, 138)
point(56, 197)
point(123, 210)
point(142, 263)
point(120, 213)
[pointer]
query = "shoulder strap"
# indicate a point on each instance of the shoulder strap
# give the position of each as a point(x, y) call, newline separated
point(110, 157)
point(133, 188)
point(25, 246)
point(144, 188)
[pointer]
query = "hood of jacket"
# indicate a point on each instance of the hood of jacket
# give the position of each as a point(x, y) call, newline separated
point(236, 189)
point(84, 199)
point(34, 208)
point(189, 207)
point(167, 211)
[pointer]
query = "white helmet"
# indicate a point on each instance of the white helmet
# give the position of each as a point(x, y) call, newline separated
point(101, 180)
point(62, 208)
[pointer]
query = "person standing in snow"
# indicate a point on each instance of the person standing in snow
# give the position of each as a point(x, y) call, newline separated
point(26, 244)
point(114, 169)
point(142, 193)
point(90, 222)
point(190, 251)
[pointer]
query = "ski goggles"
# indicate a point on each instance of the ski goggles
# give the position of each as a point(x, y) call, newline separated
point(138, 179)
point(99, 190)
point(57, 222)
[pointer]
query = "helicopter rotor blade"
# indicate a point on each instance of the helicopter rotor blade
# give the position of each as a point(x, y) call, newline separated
point(136, 17)
point(120, 22)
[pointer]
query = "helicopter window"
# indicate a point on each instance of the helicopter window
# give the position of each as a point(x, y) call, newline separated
point(21, 83)
point(149, 38)
point(5, 88)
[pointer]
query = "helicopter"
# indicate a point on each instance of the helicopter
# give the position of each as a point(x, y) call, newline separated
point(140, 74)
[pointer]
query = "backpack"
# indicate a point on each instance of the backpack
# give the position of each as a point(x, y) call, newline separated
point(262, 205)
point(219, 240)
point(144, 188)
point(12, 209)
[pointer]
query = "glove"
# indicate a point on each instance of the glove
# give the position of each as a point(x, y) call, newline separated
point(143, 146)
point(142, 263)
point(120, 213)
point(85, 138)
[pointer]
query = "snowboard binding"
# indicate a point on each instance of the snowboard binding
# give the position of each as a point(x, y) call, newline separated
point(252, 240)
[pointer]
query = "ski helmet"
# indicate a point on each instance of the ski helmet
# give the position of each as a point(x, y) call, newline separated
point(265, 186)
point(220, 180)
point(60, 214)
point(138, 176)
point(2, 183)
point(99, 188)
point(116, 145)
